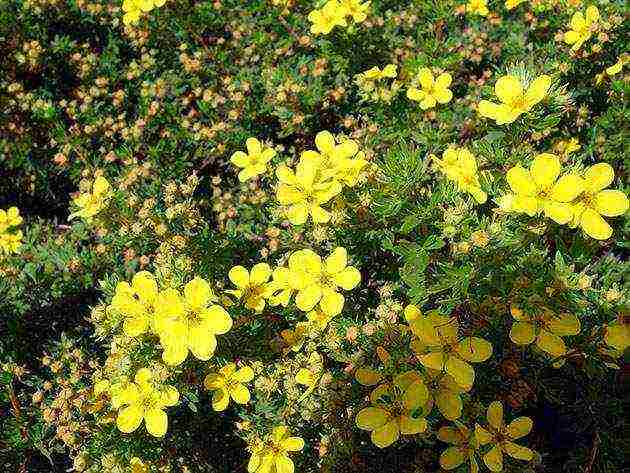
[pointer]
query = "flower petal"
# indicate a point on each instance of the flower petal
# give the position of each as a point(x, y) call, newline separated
point(594, 225)
point(567, 188)
point(598, 177)
point(611, 203)
point(462, 372)
point(308, 297)
point(129, 418)
point(521, 181)
point(550, 343)
point(372, 418)
point(474, 349)
point(522, 333)
point(260, 274)
point(156, 421)
point(519, 427)
point(494, 459)
point(517, 451)
point(545, 169)
point(451, 458)
point(495, 415)
point(386, 435)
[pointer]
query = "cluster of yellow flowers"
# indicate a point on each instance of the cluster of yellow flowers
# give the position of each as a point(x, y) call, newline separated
point(432, 90)
point(91, 202)
point(335, 12)
point(583, 25)
point(133, 9)
point(459, 165)
point(270, 455)
point(318, 177)
point(184, 322)
point(10, 237)
point(573, 199)
point(373, 85)
point(515, 99)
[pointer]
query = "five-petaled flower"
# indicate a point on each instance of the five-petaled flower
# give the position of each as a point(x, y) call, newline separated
point(433, 90)
point(514, 98)
point(272, 454)
point(254, 162)
point(582, 27)
point(228, 383)
point(252, 286)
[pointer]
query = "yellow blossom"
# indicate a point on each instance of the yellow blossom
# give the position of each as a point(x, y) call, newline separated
point(479, 7)
point(460, 166)
point(135, 302)
point(228, 383)
point(395, 409)
point(582, 27)
point(618, 66)
point(617, 333)
point(92, 202)
point(190, 322)
point(545, 328)
point(540, 190)
point(141, 400)
point(321, 281)
point(10, 237)
point(501, 437)
point(339, 161)
point(514, 98)
point(254, 162)
point(355, 9)
point(463, 447)
point(433, 89)
point(272, 455)
point(252, 286)
point(325, 19)
point(597, 201)
point(511, 4)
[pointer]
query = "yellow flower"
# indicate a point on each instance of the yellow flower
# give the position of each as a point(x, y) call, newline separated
point(10, 238)
point(324, 20)
point(136, 303)
point(229, 383)
point(9, 218)
point(375, 73)
point(582, 27)
point(434, 90)
point(190, 323)
point(395, 410)
point(286, 281)
point(440, 347)
point(321, 280)
point(302, 193)
point(511, 4)
point(597, 201)
point(617, 333)
point(459, 165)
point(253, 287)
point(515, 100)
point(338, 161)
point(254, 162)
point(464, 446)
point(618, 66)
point(539, 189)
point(91, 203)
point(138, 466)
point(501, 437)
point(355, 9)
point(545, 328)
point(141, 400)
point(272, 455)
point(480, 7)
point(11, 242)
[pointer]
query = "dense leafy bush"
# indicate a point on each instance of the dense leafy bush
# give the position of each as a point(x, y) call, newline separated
point(277, 235)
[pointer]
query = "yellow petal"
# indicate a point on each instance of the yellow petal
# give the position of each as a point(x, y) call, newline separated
point(411, 426)
point(594, 225)
point(416, 94)
point(592, 14)
point(284, 464)
point(488, 109)
point(143, 376)
point(449, 404)
point(564, 324)
point(598, 177)
point(482, 435)
point(495, 414)
point(611, 203)
point(293, 444)
point(240, 159)
point(521, 181)
point(537, 90)
point(244, 374)
point(462, 372)
point(519, 427)
point(567, 188)
point(260, 274)
point(508, 88)
point(494, 459)
point(201, 342)
point(372, 418)
point(156, 421)
point(135, 326)
point(217, 320)
point(239, 276)
point(517, 451)
point(298, 213)
point(308, 298)
point(474, 349)
point(545, 169)
point(240, 394)
point(559, 212)
point(332, 303)
point(550, 343)
point(425, 77)
point(367, 377)
point(348, 279)
point(129, 418)
point(433, 360)
point(145, 286)
point(174, 354)
point(451, 458)
point(522, 333)
point(325, 142)
point(220, 399)
point(337, 261)
point(415, 396)
point(386, 435)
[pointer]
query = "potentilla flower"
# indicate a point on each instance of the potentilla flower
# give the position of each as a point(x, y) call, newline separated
point(302, 193)
point(540, 190)
point(143, 400)
point(190, 322)
point(10, 237)
point(511, 4)
point(326, 18)
point(92, 202)
point(433, 90)
point(545, 328)
point(272, 454)
point(617, 333)
point(439, 347)
point(501, 437)
point(582, 27)
point(228, 383)
point(253, 287)
point(355, 9)
point(395, 410)
point(479, 7)
point(254, 162)
point(338, 161)
point(515, 99)
point(321, 281)
point(597, 201)
point(460, 166)
point(463, 448)
point(135, 302)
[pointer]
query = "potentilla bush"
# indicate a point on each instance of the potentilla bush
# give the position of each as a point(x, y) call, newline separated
point(284, 236)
